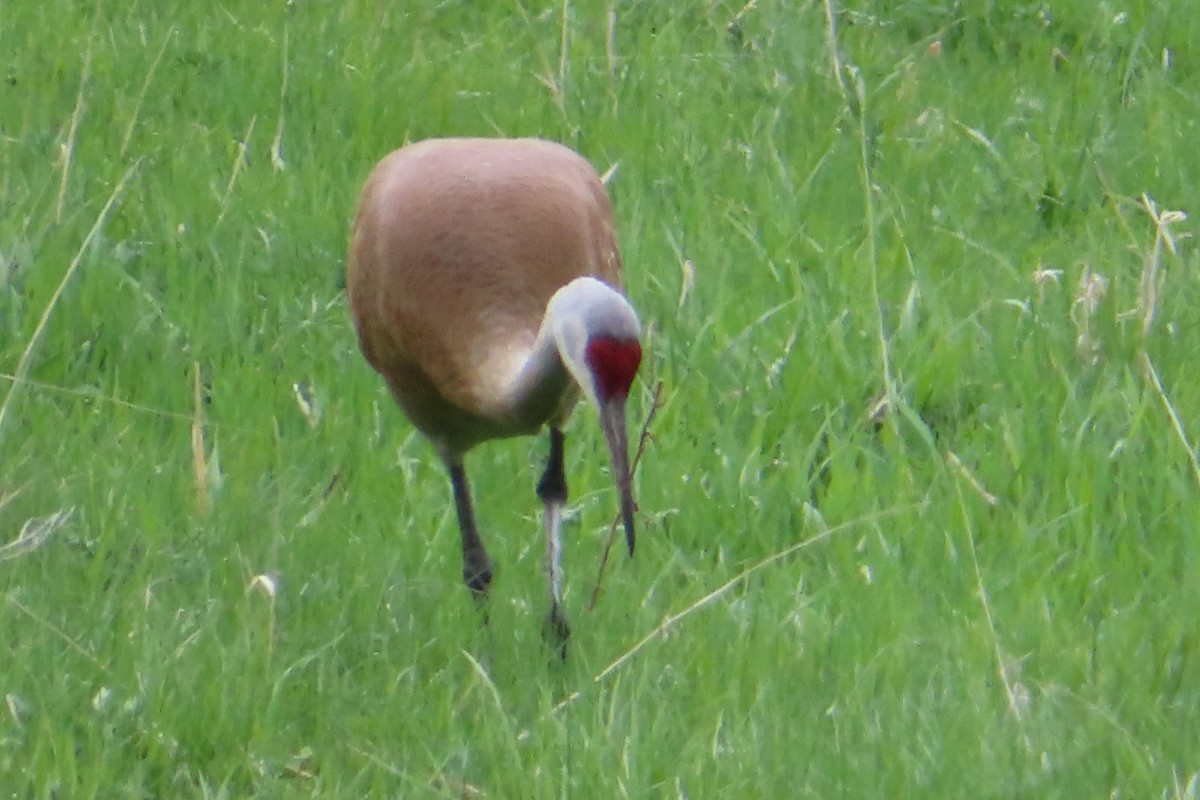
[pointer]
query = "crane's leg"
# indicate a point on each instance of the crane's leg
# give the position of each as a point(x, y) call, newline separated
point(552, 490)
point(477, 567)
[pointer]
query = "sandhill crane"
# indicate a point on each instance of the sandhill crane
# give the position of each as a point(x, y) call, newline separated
point(484, 282)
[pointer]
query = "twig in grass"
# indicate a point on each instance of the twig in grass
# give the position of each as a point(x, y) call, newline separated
point(18, 376)
point(1176, 422)
point(1147, 308)
point(7, 497)
point(116, 401)
point(890, 394)
point(239, 162)
point(440, 784)
point(1015, 695)
point(277, 162)
point(1106, 715)
point(313, 513)
point(734, 26)
point(1148, 287)
point(137, 105)
point(68, 147)
point(687, 280)
point(60, 633)
point(547, 78)
point(199, 463)
point(564, 46)
point(674, 619)
point(494, 692)
point(267, 583)
point(34, 534)
point(644, 437)
point(970, 478)
point(610, 47)
point(1092, 288)
point(610, 173)
point(835, 59)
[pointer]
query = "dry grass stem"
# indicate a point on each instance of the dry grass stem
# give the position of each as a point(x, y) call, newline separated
point(1176, 422)
point(1147, 308)
point(277, 162)
point(239, 163)
point(674, 619)
point(59, 633)
point(1091, 291)
point(1015, 694)
point(34, 534)
point(137, 106)
point(970, 478)
point(1151, 280)
point(835, 58)
point(18, 375)
point(199, 462)
point(68, 147)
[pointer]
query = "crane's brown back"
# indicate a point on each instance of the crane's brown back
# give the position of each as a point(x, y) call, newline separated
point(458, 245)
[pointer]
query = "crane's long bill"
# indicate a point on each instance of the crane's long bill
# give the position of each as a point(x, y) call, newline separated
point(612, 420)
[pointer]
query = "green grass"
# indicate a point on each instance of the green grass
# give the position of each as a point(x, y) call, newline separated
point(989, 588)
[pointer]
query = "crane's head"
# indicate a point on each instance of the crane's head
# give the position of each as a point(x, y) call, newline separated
point(599, 339)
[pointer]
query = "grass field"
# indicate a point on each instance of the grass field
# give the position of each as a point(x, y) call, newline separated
point(920, 513)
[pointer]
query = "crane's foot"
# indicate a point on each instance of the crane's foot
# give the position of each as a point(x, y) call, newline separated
point(477, 574)
point(556, 631)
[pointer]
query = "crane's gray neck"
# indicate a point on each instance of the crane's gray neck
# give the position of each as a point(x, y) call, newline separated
point(540, 386)
point(585, 307)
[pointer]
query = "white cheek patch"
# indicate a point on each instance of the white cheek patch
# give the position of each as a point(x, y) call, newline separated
point(572, 340)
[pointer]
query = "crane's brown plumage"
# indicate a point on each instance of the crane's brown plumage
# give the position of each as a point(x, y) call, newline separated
point(458, 247)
